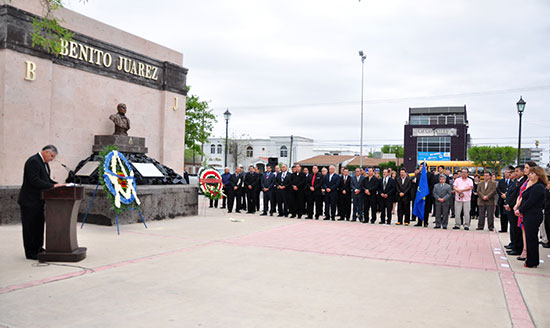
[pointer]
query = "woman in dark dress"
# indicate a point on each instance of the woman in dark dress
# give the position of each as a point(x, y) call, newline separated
point(547, 214)
point(531, 207)
point(474, 210)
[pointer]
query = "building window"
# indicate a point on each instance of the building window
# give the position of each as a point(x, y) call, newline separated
point(434, 144)
point(219, 149)
point(420, 120)
point(284, 151)
point(249, 151)
point(212, 149)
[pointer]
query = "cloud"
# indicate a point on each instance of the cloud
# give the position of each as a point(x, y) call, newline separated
point(251, 55)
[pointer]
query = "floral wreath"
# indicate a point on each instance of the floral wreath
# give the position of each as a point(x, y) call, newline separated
point(118, 181)
point(210, 182)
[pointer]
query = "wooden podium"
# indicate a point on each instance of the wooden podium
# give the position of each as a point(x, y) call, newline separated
point(62, 206)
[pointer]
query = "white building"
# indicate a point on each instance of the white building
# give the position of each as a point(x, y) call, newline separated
point(257, 151)
point(531, 154)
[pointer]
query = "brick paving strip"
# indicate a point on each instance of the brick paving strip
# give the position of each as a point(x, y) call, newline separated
point(448, 248)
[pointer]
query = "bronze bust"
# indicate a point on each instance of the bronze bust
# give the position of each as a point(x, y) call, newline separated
point(122, 123)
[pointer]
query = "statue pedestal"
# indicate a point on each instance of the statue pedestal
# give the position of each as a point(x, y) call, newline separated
point(125, 144)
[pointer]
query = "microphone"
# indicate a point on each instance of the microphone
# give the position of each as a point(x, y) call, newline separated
point(71, 172)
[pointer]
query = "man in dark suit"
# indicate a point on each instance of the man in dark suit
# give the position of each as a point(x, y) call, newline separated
point(355, 186)
point(185, 175)
point(283, 186)
point(307, 177)
point(502, 189)
point(331, 184)
point(403, 186)
point(297, 181)
point(36, 177)
point(344, 196)
point(429, 198)
point(387, 193)
point(314, 195)
point(258, 189)
point(243, 191)
point(250, 184)
point(267, 184)
point(235, 189)
point(370, 197)
point(276, 196)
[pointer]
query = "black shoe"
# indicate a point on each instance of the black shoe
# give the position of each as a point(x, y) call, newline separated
point(546, 245)
point(223, 207)
point(437, 227)
point(237, 211)
point(341, 219)
point(352, 220)
point(419, 224)
point(513, 253)
point(210, 206)
point(381, 222)
point(299, 216)
point(456, 228)
point(413, 219)
point(286, 215)
point(32, 257)
point(293, 216)
point(466, 228)
point(270, 214)
point(333, 219)
point(309, 217)
point(316, 218)
point(280, 215)
point(519, 258)
point(502, 231)
point(479, 228)
point(444, 228)
point(491, 229)
point(263, 214)
point(452, 216)
point(508, 247)
point(326, 218)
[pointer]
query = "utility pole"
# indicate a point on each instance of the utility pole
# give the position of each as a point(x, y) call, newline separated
point(291, 145)
point(363, 56)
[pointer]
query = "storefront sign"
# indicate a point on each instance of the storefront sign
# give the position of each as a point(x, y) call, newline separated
point(429, 156)
point(430, 132)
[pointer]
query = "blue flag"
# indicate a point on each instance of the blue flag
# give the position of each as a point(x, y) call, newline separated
point(421, 193)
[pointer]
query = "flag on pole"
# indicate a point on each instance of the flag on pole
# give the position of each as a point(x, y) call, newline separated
point(421, 193)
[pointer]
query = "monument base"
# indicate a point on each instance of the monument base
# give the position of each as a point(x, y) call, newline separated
point(77, 255)
point(157, 203)
point(125, 144)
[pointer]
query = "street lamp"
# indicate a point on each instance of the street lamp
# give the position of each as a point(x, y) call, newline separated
point(521, 107)
point(363, 56)
point(227, 116)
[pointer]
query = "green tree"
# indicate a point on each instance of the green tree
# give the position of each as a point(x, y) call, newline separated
point(391, 164)
point(47, 32)
point(493, 157)
point(199, 122)
point(393, 149)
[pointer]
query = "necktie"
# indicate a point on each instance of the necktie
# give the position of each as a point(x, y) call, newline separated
point(385, 182)
point(313, 180)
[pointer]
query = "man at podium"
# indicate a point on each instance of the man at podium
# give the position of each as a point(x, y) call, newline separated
point(36, 177)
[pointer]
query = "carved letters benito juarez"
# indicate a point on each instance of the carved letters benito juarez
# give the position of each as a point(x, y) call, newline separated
point(99, 57)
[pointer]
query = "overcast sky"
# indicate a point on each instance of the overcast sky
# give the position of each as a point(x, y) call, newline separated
point(292, 67)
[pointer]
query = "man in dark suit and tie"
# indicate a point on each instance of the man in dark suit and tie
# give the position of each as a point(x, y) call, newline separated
point(36, 177)
point(276, 193)
point(516, 236)
point(250, 184)
point(502, 189)
point(331, 184)
point(314, 195)
point(355, 187)
point(268, 183)
point(283, 186)
point(297, 181)
point(344, 196)
point(403, 194)
point(369, 188)
point(387, 193)
point(235, 189)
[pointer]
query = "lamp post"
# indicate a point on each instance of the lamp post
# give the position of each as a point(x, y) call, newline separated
point(521, 107)
point(363, 56)
point(227, 116)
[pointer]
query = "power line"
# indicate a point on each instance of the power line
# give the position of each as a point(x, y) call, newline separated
point(389, 100)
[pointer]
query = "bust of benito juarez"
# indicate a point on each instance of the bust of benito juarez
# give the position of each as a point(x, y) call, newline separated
point(122, 123)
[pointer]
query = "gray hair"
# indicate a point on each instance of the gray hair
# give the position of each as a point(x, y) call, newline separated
point(51, 148)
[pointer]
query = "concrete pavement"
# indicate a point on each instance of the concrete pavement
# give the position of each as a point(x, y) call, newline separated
point(208, 271)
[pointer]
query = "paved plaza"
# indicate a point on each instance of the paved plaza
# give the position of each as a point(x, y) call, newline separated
point(237, 270)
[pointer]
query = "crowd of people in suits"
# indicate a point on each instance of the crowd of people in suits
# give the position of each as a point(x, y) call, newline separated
point(518, 199)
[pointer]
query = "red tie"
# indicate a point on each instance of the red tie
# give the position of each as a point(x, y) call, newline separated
point(313, 180)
